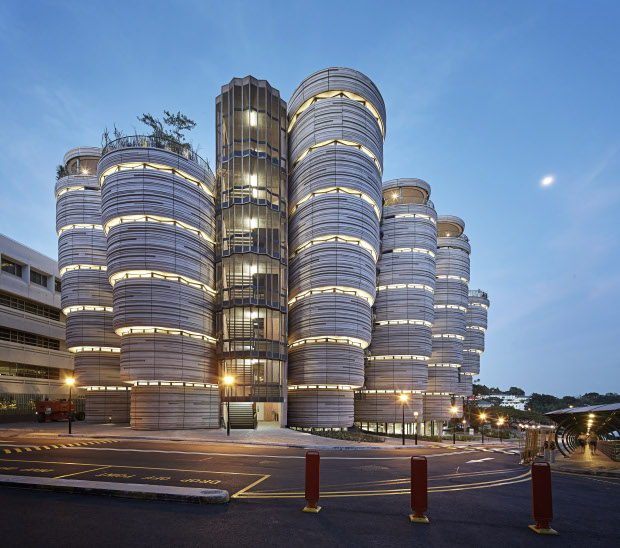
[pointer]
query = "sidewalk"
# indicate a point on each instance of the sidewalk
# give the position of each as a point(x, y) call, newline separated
point(586, 463)
point(266, 434)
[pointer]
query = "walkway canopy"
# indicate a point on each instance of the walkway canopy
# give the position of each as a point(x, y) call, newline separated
point(570, 422)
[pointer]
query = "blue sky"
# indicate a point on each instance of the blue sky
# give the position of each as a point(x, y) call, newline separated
point(483, 100)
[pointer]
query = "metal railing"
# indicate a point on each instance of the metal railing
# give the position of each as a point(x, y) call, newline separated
point(156, 141)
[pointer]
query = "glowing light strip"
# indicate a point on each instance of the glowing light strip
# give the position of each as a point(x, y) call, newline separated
point(335, 289)
point(406, 286)
point(337, 238)
point(451, 307)
point(399, 357)
point(452, 365)
point(472, 350)
point(69, 189)
point(322, 386)
point(155, 219)
point(344, 142)
point(401, 322)
point(366, 391)
point(110, 349)
point(335, 339)
point(450, 277)
point(156, 167)
point(86, 307)
point(148, 329)
point(338, 93)
point(438, 394)
point(467, 373)
point(344, 190)
point(173, 383)
point(449, 336)
point(427, 217)
point(79, 225)
point(483, 329)
point(479, 304)
point(131, 274)
point(108, 388)
point(73, 267)
point(413, 250)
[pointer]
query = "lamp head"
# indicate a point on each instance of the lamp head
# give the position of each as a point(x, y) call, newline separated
point(403, 397)
point(229, 380)
point(70, 381)
point(454, 410)
point(483, 416)
point(415, 414)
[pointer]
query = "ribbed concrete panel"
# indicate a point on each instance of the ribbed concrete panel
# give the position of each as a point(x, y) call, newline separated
point(167, 357)
point(335, 161)
point(158, 214)
point(465, 387)
point(404, 308)
point(322, 408)
point(313, 268)
point(477, 310)
point(439, 408)
point(326, 363)
point(106, 406)
point(86, 292)
point(387, 407)
point(174, 407)
point(450, 309)
point(171, 304)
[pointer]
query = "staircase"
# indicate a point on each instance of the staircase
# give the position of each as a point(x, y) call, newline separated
point(242, 416)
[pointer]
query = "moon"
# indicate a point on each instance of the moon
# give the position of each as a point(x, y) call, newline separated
point(547, 180)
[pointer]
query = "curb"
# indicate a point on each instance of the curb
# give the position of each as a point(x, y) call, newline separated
point(124, 490)
point(250, 442)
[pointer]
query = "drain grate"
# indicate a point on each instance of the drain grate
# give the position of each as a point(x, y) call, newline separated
point(370, 468)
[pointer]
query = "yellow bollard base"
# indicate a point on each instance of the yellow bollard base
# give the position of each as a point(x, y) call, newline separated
point(414, 519)
point(543, 531)
point(311, 510)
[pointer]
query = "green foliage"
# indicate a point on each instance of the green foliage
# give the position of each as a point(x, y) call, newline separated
point(172, 127)
point(544, 403)
point(61, 171)
point(346, 435)
point(510, 414)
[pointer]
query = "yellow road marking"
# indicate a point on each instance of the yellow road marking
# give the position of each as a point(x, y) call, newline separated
point(17, 450)
point(82, 472)
point(250, 486)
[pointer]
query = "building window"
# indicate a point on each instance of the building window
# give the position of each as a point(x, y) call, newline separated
point(30, 339)
point(6, 299)
point(38, 278)
point(11, 267)
point(57, 286)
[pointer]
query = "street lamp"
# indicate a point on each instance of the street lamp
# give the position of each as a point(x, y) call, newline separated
point(70, 381)
point(403, 399)
point(416, 427)
point(500, 421)
point(482, 418)
point(228, 381)
point(454, 411)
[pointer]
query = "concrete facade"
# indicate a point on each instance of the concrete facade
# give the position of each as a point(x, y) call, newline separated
point(34, 360)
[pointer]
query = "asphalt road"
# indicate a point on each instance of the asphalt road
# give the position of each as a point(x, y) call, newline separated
point(364, 497)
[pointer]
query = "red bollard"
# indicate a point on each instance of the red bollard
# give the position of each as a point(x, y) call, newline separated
point(419, 490)
point(542, 506)
point(313, 471)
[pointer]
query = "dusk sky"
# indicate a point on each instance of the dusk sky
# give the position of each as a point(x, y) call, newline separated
point(484, 100)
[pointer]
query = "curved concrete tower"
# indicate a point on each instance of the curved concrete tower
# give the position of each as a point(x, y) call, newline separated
point(159, 216)
point(401, 339)
point(450, 319)
point(336, 132)
point(86, 292)
point(252, 243)
point(473, 347)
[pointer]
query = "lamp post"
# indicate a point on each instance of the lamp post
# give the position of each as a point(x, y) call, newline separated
point(454, 411)
point(228, 382)
point(482, 418)
point(403, 399)
point(70, 382)
point(500, 421)
point(416, 427)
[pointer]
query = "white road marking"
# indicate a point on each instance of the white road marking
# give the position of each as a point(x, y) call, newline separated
point(480, 460)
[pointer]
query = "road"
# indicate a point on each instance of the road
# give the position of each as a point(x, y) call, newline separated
point(476, 497)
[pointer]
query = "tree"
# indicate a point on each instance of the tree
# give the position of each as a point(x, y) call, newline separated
point(171, 129)
point(515, 391)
